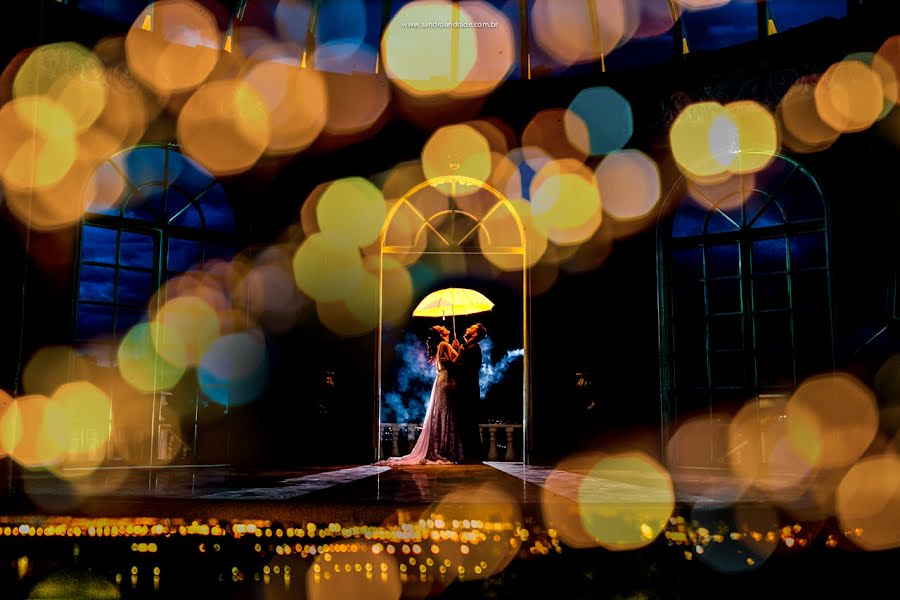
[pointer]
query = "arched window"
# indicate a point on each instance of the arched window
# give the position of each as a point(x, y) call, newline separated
point(157, 213)
point(745, 302)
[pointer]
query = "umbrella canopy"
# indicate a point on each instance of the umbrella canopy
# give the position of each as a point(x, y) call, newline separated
point(452, 302)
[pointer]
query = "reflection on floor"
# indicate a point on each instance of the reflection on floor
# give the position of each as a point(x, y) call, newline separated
point(367, 484)
point(497, 530)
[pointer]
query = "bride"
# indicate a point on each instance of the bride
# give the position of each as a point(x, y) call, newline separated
point(439, 442)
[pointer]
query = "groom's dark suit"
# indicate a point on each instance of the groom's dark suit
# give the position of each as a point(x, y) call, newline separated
point(466, 398)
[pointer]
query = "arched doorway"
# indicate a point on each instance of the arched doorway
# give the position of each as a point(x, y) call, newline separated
point(452, 217)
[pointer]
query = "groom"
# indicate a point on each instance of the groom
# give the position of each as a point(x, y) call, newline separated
point(466, 397)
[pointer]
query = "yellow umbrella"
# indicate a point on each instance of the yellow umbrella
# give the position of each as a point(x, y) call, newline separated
point(453, 301)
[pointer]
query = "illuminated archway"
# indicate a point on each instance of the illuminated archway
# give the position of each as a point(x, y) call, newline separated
point(448, 222)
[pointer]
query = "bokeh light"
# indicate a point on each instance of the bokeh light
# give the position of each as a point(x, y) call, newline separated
point(849, 96)
point(341, 575)
point(868, 502)
point(35, 431)
point(183, 330)
point(725, 194)
point(495, 47)
point(234, 370)
point(141, 366)
point(353, 209)
point(575, 31)
point(760, 452)
point(51, 367)
point(75, 583)
point(397, 292)
point(327, 267)
point(803, 130)
point(559, 500)
point(557, 132)
point(629, 184)
point(457, 150)
point(421, 59)
point(355, 103)
point(88, 410)
point(491, 550)
point(691, 140)
point(831, 420)
point(178, 51)
point(606, 115)
point(70, 75)
point(889, 55)
point(752, 535)
point(225, 126)
point(38, 146)
point(61, 204)
point(270, 296)
point(339, 319)
point(10, 432)
point(626, 523)
point(690, 446)
point(295, 98)
point(886, 74)
point(757, 136)
point(501, 229)
point(565, 202)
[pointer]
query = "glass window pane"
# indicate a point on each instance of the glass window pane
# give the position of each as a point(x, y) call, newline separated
point(217, 212)
point(146, 206)
point(692, 404)
point(183, 254)
point(93, 320)
point(788, 14)
point(723, 221)
point(775, 369)
point(690, 370)
point(769, 256)
point(809, 290)
point(723, 260)
point(218, 251)
point(812, 328)
point(188, 175)
point(143, 165)
point(720, 27)
point(689, 220)
point(801, 199)
point(687, 263)
point(96, 283)
point(763, 212)
point(98, 244)
point(727, 369)
point(726, 333)
point(689, 301)
point(135, 287)
point(808, 251)
point(770, 292)
point(773, 331)
point(137, 250)
point(126, 319)
point(725, 296)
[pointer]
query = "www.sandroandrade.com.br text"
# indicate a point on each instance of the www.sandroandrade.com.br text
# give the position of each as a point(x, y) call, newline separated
point(450, 24)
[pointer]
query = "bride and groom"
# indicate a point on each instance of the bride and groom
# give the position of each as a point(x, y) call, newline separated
point(450, 431)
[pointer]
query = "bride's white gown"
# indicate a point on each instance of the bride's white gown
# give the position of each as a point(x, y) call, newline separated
point(439, 443)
